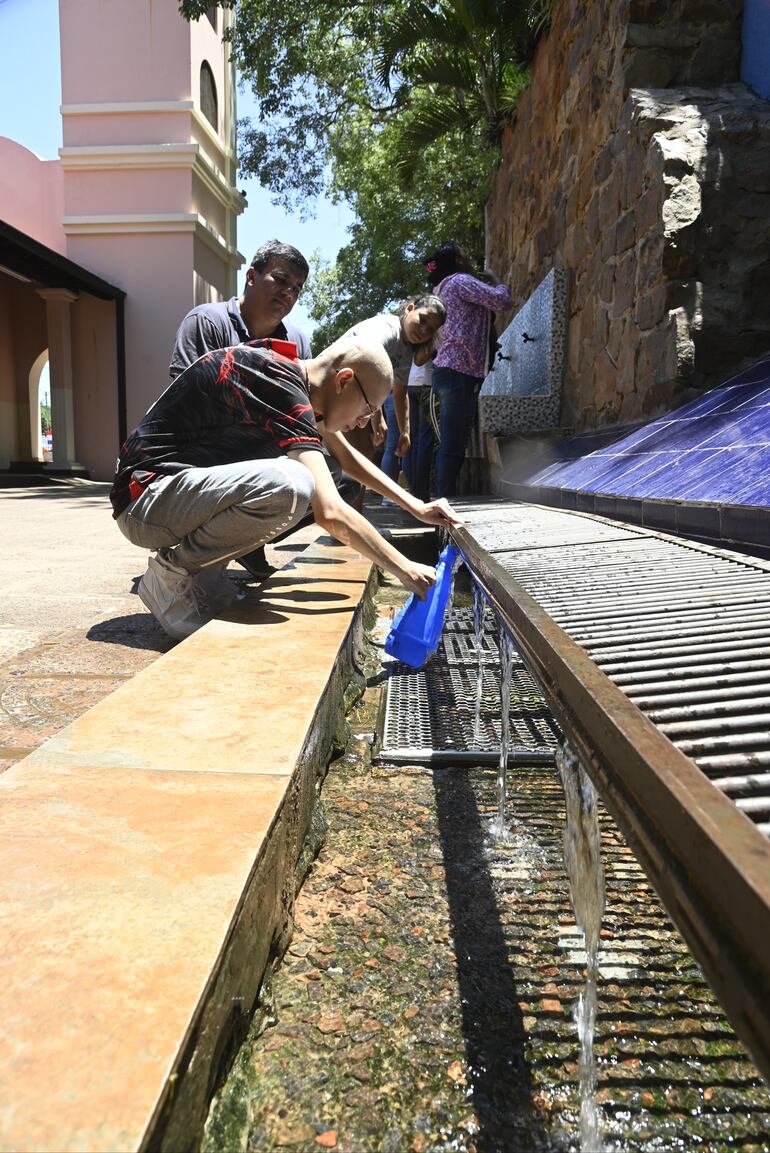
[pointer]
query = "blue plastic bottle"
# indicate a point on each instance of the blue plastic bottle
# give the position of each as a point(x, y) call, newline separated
point(416, 628)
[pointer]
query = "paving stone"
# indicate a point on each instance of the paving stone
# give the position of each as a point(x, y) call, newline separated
point(34, 708)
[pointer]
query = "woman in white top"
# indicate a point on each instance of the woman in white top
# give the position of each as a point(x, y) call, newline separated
point(417, 462)
point(407, 335)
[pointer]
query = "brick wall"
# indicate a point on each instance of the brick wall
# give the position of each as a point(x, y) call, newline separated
point(638, 162)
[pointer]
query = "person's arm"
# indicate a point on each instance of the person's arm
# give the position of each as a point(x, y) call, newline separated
point(356, 465)
point(379, 426)
point(494, 297)
point(401, 408)
point(342, 522)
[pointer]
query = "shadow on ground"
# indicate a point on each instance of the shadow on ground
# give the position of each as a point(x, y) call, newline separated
point(492, 1021)
point(134, 630)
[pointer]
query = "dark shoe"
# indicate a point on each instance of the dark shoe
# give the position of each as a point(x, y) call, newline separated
point(220, 592)
point(257, 564)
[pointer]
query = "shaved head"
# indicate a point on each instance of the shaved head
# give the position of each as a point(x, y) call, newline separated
point(348, 382)
point(367, 359)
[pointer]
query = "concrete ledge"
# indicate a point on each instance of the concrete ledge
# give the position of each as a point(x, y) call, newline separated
point(147, 858)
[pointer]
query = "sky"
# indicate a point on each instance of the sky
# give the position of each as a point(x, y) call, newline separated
point(30, 97)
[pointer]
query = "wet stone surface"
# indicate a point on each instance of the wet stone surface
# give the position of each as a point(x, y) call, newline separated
point(426, 1000)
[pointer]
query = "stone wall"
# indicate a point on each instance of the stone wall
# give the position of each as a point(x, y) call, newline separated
point(639, 163)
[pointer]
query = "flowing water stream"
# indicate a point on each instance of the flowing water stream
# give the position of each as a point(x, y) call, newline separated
point(582, 859)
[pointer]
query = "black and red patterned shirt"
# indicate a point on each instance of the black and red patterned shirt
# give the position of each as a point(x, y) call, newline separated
point(248, 402)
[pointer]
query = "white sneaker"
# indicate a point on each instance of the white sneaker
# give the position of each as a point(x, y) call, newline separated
point(176, 599)
point(218, 590)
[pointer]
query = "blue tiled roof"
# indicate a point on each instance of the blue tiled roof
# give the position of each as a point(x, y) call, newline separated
point(714, 449)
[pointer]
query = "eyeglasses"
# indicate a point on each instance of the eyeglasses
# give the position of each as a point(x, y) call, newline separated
point(371, 411)
point(286, 284)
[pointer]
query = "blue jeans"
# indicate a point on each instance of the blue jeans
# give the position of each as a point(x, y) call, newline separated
point(457, 393)
point(416, 464)
point(390, 463)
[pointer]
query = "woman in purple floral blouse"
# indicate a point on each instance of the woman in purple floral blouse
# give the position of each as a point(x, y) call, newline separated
point(460, 364)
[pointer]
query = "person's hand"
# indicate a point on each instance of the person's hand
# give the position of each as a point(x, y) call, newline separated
point(404, 444)
point(439, 512)
point(379, 427)
point(418, 578)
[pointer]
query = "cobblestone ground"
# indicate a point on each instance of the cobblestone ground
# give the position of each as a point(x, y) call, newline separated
point(426, 1001)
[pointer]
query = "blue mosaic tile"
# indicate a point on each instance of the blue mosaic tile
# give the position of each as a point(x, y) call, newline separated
point(755, 485)
point(719, 400)
point(756, 398)
point(726, 480)
point(749, 427)
point(715, 448)
point(665, 474)
point(626, 471)
point(693, 476)
point(642, 437)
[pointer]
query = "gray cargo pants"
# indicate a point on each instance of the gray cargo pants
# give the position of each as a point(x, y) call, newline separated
point(212, 515)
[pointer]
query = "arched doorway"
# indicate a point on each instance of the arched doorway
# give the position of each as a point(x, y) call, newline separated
point(39, 384)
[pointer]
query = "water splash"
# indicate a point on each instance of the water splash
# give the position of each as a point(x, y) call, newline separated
point(582, 859)
point(498, 828)
point(479, 606)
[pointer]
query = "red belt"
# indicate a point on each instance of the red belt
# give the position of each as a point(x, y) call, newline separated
point(136, 487)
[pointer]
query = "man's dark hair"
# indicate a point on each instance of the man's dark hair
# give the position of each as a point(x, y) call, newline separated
point(273, 249)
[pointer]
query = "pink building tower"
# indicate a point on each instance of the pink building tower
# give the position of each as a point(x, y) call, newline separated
point(145, 205)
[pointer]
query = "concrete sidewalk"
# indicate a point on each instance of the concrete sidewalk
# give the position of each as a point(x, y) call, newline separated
point(71, 629)
point(65, 565)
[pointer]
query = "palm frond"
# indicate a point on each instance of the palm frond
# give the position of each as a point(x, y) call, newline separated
point(465, 15)
point(418, 24)
point(539, 16)
point(447, 71)
point(514, 81)
point(443, 115)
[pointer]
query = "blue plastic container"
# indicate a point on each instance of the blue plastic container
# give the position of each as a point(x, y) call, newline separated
point(416, 628)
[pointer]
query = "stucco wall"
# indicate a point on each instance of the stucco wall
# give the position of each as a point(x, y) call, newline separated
point(95, 397)
point(134, 182)
point(640, 164)
point(31, 196)
point(112, 51)
point(156, 270)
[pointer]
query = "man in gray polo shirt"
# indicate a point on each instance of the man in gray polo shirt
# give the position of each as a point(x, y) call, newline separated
point(274, 280)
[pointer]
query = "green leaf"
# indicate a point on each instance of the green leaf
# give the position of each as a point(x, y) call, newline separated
point(394, 106)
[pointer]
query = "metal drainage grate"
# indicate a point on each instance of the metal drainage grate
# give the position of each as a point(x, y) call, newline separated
point(430, 714)
point(681, 628)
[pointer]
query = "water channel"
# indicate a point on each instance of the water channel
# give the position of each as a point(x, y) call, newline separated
point(445, 989)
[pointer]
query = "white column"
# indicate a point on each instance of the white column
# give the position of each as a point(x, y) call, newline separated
point(57, 302)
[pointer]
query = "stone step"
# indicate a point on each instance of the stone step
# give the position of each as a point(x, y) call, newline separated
point(147, 857)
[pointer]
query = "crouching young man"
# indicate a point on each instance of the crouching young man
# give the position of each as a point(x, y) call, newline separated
point(231, 455)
